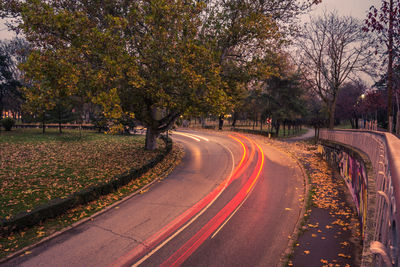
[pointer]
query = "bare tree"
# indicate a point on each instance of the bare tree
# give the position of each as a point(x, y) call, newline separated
point(331, 50)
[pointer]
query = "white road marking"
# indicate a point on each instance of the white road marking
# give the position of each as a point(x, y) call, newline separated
point(193, 219)
point(226, 221)
point(233, 213)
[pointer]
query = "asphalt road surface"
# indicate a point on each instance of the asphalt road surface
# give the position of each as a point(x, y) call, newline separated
point(233, 201)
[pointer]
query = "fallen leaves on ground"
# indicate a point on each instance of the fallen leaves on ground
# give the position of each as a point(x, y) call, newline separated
point(325, 195)
point(32, 235)
point(34, 171)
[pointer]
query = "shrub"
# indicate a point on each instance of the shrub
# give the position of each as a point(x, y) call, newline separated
point(8, 123)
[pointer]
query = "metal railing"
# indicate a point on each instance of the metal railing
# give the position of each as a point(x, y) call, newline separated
point(383, 150)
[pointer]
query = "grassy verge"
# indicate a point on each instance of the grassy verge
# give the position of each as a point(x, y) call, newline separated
point(107, 150)
point(35, 168)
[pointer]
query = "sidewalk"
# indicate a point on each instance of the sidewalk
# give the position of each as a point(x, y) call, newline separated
point(309, 134)
point(330, 235)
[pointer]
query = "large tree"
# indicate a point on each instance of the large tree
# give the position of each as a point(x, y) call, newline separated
point(331, 50)
point(135, 57)
point(156, 59)
point(247, 37)
point(385, 21)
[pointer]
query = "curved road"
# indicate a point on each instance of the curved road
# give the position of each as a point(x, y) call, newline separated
point(233, 201)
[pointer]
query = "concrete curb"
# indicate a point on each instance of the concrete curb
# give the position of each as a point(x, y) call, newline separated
point(296, 232)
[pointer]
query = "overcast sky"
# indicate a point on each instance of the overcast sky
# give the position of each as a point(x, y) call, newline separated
point(355, 8)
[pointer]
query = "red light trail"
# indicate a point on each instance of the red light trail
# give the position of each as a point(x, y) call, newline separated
point(143, 251)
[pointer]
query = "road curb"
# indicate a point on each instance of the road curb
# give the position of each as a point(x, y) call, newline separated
point(296, 232)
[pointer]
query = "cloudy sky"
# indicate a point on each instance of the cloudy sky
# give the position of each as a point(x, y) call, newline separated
point(355, 8)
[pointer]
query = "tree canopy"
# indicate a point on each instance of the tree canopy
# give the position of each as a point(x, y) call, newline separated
point(332, 50)
point(151, 59)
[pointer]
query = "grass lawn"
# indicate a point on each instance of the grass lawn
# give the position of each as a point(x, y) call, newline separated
point(36, 167)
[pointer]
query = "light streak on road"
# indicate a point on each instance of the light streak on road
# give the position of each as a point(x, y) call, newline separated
point(199, 208)
point(193, 243)
point(193, 136)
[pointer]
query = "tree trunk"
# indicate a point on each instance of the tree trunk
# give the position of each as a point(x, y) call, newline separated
point(220, 122)
point(151, 139)
point(203, 122)
point(43, 123)
point(59, 121)
point(234, 120)
point(277, 129)
point(332, 115)
point(352, 122)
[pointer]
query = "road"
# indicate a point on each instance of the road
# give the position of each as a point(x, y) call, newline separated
point(233, 201)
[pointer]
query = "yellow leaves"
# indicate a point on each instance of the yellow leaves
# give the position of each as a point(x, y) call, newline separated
point(40, 233)
point(110, 102)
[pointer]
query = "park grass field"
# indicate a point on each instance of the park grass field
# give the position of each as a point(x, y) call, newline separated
point(36, 167)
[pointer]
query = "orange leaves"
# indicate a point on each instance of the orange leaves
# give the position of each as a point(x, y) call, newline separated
point(40, 233)
point(344, 256)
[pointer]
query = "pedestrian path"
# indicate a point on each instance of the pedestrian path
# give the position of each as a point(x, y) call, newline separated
point(330, 234)
point(310, 133)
